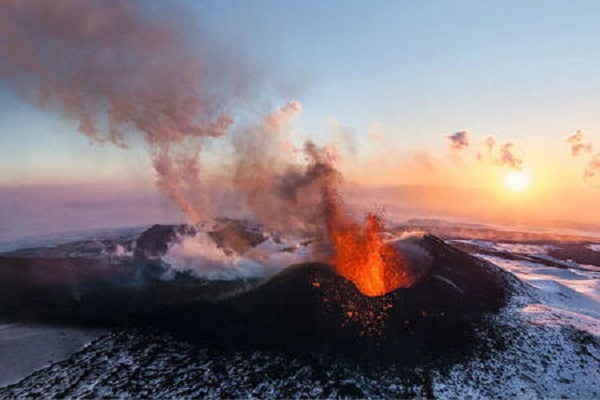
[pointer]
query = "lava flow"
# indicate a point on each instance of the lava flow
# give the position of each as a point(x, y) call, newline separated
point(363, 257)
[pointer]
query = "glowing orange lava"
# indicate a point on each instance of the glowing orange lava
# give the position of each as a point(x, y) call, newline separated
point(363, 257)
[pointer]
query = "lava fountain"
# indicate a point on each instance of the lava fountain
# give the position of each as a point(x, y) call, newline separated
point(359, 252)
point(362, 256)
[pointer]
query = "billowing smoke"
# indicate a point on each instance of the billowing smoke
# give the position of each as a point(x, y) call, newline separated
point(459, 140)
point(278, 120)
point(579, 143)
point(286, 196)
point(118, 70)
point(200, 255)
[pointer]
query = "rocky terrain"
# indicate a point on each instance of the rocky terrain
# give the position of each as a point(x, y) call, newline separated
point(487, 319)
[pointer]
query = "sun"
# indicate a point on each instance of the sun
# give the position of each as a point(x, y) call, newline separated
point(517, 181)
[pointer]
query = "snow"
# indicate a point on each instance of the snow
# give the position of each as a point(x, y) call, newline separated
point(518, 248)
point(573, 293)
point(594, 247)
point(542, 360)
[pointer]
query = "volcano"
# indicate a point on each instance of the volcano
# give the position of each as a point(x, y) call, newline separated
point(305, 307)
point(309, 307)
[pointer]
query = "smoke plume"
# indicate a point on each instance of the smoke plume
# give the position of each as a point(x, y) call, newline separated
point(459, 140)
point(286, 196)
point(118, 71)
point(579, 143)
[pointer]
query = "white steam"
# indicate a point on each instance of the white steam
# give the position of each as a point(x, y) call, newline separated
point(200, 256)
point(203, 258)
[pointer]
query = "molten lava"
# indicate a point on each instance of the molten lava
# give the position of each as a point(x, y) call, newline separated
point(363, 257)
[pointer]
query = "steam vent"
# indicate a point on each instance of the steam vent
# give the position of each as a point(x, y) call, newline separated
point(305, 307)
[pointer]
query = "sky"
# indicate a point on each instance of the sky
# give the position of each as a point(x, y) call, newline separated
point(385, 80)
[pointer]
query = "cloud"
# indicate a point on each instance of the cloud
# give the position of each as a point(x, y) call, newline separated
point(459, 140)
point(505, 154)
point(490, 143)
point(593, 167)
point(489, 146)
point(509, 156)
point(579, 143)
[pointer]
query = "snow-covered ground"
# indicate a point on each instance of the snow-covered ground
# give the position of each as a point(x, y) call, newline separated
point(531, 249)
point(563, 292)
point(553, 332)
point(566, 297)
point(594, 247)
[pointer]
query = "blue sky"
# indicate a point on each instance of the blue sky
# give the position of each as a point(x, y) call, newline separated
point(524, 71)
point(428, 66)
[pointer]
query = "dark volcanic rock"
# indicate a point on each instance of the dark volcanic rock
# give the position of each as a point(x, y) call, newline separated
point(577, 252)
point(309, 297)
point(154, 241)
point(237, 237)
point(308, 307)
point(459, 282)
point(231, 235)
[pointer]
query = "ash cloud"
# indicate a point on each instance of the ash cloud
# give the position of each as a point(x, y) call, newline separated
point(120, 71)
point(286, 195)
point(124, 74)
point(579, 143)
point(281, 117)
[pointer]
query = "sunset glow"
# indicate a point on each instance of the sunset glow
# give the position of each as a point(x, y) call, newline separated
point(517, 181)
point(434, 128)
